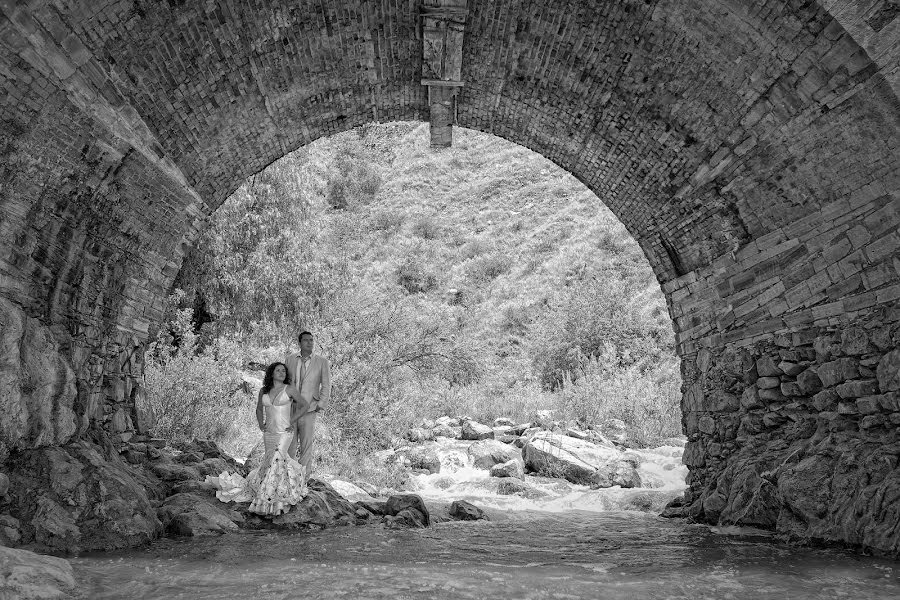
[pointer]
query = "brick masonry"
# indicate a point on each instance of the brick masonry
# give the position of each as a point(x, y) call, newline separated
point(752, 149)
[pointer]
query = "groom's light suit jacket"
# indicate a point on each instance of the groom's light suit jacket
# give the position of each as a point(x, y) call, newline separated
point(316, 383)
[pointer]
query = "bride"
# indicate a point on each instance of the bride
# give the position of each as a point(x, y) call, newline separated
point(280, 481)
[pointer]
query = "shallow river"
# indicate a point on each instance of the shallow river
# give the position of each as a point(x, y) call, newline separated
point(572, 543)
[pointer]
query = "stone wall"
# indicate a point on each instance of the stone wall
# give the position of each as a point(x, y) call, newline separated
point(800, 433)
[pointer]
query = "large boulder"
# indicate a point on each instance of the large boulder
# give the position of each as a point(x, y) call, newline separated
point(777, 485)
point(323, 506)
point(76, 498)
point(407, 509)
point(484, 454)
point(25, 575)
point(473, 430)
point(189, 514)
point(516, 487)
point(622, 473)
point(575, 460)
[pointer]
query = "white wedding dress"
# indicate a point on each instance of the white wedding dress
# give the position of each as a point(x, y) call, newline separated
point(280, 481)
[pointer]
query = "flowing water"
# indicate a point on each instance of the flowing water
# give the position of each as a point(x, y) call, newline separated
point(565, 542)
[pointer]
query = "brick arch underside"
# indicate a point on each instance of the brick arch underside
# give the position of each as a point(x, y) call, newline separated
point(753, 152)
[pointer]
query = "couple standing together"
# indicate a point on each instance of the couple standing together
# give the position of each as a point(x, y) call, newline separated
point(293, 393)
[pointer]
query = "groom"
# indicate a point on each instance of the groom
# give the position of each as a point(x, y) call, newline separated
point(310, 373)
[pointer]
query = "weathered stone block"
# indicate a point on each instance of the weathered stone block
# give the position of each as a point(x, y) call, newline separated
point(837, 371)
point(847, 408)
point(888, 371)
point(750, 398)
point(748, 367)
point(693, 455)
point(773, 419)
point(858, 388)
point(751, 423)
point(872, 421)
point(765, 367)
point(868, 405)
point(722, 402)
point(826, 400)
point(854, 341)
point(890, 402)
point(707, 425)
point(822, 347)
point(881, 338)
point(791, 388)
point(791, 368)
point(809, 382)
point(765, 383)
point(770, 395)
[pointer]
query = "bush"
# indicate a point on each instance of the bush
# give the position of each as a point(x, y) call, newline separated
point(485, 269)
point(388, 221)
point(426, 227)
point(647, 401)
point(598, 312)
point(352, 180)
point(413, 277)
point(475, 248)
point(191, 393)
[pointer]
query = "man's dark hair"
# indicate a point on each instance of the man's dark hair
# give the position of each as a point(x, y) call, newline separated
point(302, 333)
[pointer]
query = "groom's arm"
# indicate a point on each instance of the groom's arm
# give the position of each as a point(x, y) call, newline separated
point(325, 388)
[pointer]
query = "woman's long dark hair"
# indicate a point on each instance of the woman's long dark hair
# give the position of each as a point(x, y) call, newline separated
point(268, 381)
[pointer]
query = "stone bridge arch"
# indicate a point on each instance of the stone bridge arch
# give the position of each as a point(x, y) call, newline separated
point(752, 149)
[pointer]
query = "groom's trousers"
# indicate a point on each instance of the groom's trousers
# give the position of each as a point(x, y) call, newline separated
point(302, 445)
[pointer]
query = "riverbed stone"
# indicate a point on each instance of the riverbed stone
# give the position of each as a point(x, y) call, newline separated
point(25, 575)
point(472, 430)
point(419, 434)
point(572, 459)
point(446, 430)
point(510, 468)
point(484, 454)
point(517, 487)
point(409, 509)
point(462, 510)
point(422, 458)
